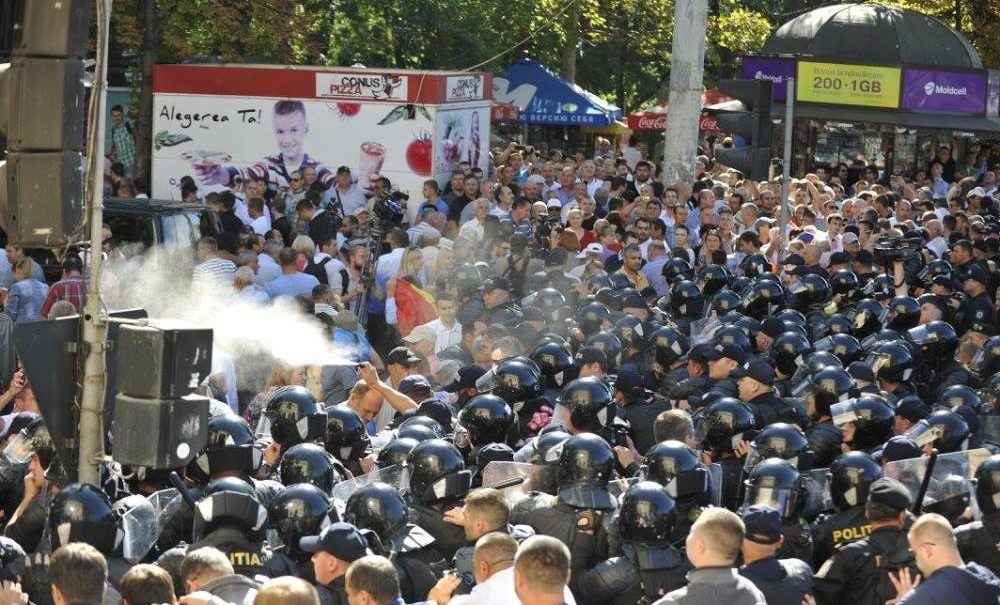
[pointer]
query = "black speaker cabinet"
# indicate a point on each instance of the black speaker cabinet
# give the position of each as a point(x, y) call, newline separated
point(162, 360)
point(159, 433)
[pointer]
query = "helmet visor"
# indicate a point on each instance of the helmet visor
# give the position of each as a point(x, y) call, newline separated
point(843, 413)
point(689, 483)
point(753, 459)
point(923, 433)
point(920, 335)
point(487, 382)
point(461, 437)
point(20, 449)
point(783, 499)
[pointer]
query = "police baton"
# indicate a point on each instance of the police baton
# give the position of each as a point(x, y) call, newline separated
point(511, 482)
point(925, 484)
point(182, 489)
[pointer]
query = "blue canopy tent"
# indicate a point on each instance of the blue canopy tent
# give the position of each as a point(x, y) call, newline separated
point(545, 98)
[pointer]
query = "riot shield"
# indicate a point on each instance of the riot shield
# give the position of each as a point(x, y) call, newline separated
point(162, 499)
point(396, 476)
point(715, 484)
point(816, 486)
point(989, 429)
point(618, 487)
point(702, 330)
point(141, 528)
point(534, 478)
point(951, 488)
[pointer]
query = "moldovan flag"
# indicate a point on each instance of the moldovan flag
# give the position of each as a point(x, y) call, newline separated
point(413, 306)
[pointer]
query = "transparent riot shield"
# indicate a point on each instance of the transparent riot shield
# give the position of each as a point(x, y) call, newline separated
point(816, 485)
point(518, 479)
point(618, 487)
point(989, 429)
point(141, 528)
point(715, 484)
point(702, 330)
point(950, 490)
point(396, 476)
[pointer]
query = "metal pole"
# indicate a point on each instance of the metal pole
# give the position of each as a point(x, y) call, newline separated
point(94, 378)
point(786, 169)
point(687, 70)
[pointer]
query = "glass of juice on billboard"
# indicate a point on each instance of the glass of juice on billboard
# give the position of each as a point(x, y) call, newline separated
point(370, 163)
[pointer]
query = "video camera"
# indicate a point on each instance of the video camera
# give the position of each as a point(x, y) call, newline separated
point(889, 250)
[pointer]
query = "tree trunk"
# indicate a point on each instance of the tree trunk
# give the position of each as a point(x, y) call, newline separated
point(572, 40)
point(152, 33)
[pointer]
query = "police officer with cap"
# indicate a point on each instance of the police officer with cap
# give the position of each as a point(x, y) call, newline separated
point(636, 407)
point(333, 551)
point(783, 581)
point(689, 391)
point(499, 306)
point(754, 381)
point(979, 309)
point(858, 573)
point(723, 360)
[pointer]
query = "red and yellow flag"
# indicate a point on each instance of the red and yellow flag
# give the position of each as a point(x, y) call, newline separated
point(414, 306)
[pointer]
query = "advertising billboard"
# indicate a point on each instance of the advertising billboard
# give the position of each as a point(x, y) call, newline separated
point(775, 69)
point(944, 91)
point(839, 84)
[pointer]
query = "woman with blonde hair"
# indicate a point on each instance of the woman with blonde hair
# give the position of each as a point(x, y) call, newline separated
point(26, 296)
point(574, 223)
point(305, 248)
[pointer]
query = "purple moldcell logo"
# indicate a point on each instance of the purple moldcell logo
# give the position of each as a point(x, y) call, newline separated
point(942, 91)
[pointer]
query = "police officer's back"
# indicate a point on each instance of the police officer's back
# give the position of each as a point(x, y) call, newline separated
point(333, 550)
point(858, 573)
point(977, 541)
point(851, 477)
point(636, 407)
point(783, 581)
point(438, 483)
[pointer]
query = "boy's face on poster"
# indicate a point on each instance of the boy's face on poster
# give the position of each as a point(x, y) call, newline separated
point(289, 132)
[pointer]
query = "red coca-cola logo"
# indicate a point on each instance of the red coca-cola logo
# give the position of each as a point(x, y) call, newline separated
point(708, 123)
point(653, 122)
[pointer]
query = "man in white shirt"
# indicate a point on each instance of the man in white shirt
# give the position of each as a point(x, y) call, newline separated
point(447, 330)
point(937, 243)
point(336, 272)
point(588, 172)
point(475, 229)
point(346, 193)
point(497, 582)
point(258, 222)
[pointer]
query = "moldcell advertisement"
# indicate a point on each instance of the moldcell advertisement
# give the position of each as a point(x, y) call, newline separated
point(220, 124)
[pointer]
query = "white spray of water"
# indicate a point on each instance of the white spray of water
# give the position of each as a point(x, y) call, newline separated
point(255, 336)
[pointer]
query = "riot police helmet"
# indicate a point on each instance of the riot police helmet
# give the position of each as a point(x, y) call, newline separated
point(589, 403)
point(346, 437)
point(586, 464)
point(777, 483)
point(378, 507)
point(81, 512)
point(294, 416)
point(309, 463)
point(851, 476)
point(486, 419)
point(228, 501)
point(647, 515)
point(301, 510)
point(553, 359)
point(944, 430)
point(437, 472)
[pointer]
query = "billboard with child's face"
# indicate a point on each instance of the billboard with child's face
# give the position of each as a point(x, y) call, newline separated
point(223, 139)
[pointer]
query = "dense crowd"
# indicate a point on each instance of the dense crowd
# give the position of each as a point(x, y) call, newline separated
point(567, 383)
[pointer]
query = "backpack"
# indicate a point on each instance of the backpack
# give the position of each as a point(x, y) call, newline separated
point(318, 270)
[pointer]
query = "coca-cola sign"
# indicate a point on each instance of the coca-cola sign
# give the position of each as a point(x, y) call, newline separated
point(658, 121)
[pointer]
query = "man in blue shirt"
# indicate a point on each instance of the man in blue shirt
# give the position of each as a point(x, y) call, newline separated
point(291, 282)
point(432, 197)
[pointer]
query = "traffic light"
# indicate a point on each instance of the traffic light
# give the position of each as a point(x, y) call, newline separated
point(42, 100)
point(752, 122)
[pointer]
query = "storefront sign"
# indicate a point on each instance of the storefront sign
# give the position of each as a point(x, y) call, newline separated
point(775, 69)
point(952, 92)
point(657, 120)
point(836, 84)
point(463, 88)
point(361, 86)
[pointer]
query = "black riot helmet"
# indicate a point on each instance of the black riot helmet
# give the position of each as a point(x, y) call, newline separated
point(596, 282)
point(592, 316)
point(553, 359)
point(988, 485)
point(754, 265)
point(309, 463)
point(762, 299)
point(777, 483)
point(943, 429)
point(902, 314)
point(933, 269)
point(11, 554)
point(838, 323)
point(844, 346)
point(830, 386)
point(891, 361)
point(612, 347)
point(549, 300)
point(792, 316)
point(230, 447)
point(675, 466)
point(735, 335)
point(35, 440)
point(991, 357)
point(301, 510)
point(872, 417)
point(811, 291)
point(845, 283)
point(437, 472)
point(395, 452)
point(881, 287)
point(960, 395)
point(228, 501)
point(486, 419)
point(668, 345)
point(589, 402)
point(789, 352)
point(346, 437)
point(81, 512)
point(686, 300)
point(937, 340)
point(721, 423)
point(647, 515)
point(378, 507)
point(724, 301)
point(781, 440)
point(712, 278)
point(675, 270)
point(866, 317)
point(294, 416)
point(586, 463)
point(514, 380)
point(420, 427)
point(851, 476)
point(631, 331)
point(547, 446)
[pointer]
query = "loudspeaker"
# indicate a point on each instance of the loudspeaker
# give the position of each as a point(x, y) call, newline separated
point(51, 28)
point(159, 433)
point(44, 105)
point(162, 360)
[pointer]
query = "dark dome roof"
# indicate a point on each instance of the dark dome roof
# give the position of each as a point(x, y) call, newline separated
point(870, 33)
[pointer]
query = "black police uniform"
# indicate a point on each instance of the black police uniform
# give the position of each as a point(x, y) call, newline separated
point(979, 309)
point(977, 541)
point(670, 380)
point(953, 373)
point(857, 573)
point(771, 409)
point(641, 414)
point(783, 581)
point(829, 532)
point(726, 386)
point(448, 537)
point(690, 387)
point(583, 530)
point(640, 576)
point(732, 481)
point(824, 440)
point(509, 314)
point(334, 593)
point(798, 541)
point(249, 558)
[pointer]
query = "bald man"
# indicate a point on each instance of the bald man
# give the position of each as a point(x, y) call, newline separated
point(947, 578)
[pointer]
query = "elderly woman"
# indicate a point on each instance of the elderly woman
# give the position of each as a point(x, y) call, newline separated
point(26, 294)
point(473, 228)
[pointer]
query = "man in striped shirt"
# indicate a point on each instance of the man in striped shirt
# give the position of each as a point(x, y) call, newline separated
point(212, 270)
point(72, 287)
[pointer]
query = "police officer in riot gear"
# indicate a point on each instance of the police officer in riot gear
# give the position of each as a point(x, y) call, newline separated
point(977, 540)
point(827, 387)
point(722, 428)
point(301, 510)
point(229, 451)
point(380, 508)
point(439, 481)
point(395, 452)
point(649, 566)
point(686, 304)
point(851, 476)
point(784, 581)
point(776, 482)
point(519, 382)
point(585, 405)
point(781, 440)
point(943, 430)
point(937, 369)
point(637, 408)
point(668, 346)
point(291, 416)
point(691, 389)
point(34, 450)
point(485, 419)
point(310, 463)
point(347, 440)
point(866, 422)
point(675, 466)
point(90, 518)
point(582, 506)
point(892, 363)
